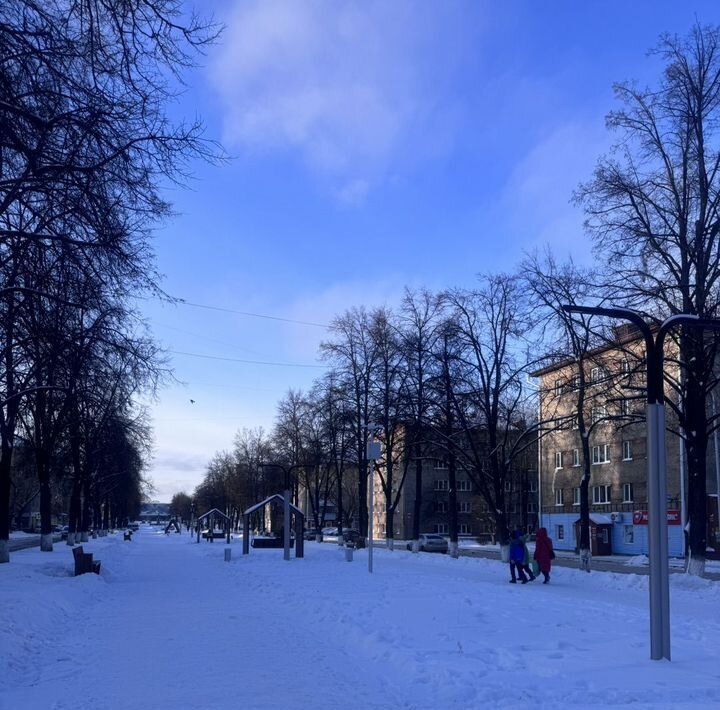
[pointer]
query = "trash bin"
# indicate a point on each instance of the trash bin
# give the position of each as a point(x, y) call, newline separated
point(349, 553)
point(228, 553)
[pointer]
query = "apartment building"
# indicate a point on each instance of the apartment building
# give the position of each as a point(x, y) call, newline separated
point(614, 415)
point(474, 519)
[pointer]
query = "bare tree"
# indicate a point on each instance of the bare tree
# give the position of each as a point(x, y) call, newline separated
point(653, 210)
point(491, 401)
point(420, 322)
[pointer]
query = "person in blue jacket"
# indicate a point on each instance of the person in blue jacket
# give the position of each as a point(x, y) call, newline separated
point(517, 558)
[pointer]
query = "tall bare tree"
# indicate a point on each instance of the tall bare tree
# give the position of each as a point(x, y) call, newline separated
point(653, 209)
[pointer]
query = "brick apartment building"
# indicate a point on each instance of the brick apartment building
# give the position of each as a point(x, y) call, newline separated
point(618, 484)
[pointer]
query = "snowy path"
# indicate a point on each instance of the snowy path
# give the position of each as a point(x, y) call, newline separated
point(168, 624)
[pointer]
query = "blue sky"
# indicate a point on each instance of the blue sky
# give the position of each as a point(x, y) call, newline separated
point(374, 145)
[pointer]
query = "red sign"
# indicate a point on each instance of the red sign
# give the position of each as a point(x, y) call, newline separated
point(640, 517)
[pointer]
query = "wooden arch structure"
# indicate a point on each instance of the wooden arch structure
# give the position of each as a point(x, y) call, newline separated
point(294, 510)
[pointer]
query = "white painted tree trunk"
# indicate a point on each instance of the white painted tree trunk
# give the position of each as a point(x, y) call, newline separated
point(505, 553)
point(71, 539)
point(4, 551)
point(453, 550)
point(696, 566)
point(84, 536)
point(390, 543)
point(585, 559)
point(94, 535)
point(416, 546)
point(46, 543)
point(318, 537)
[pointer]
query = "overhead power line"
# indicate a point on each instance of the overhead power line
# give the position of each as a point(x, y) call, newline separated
point(247, 362)
point(250, 314)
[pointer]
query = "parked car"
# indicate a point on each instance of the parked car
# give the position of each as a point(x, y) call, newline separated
point(329, 532)
point(431, 542)
point(312, 534)
point(134, 527)
point(64, 532)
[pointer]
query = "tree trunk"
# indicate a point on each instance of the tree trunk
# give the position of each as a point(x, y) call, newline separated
point(46, 541)
point(584, 543)
point(5, 486)
point(417, 509)
point(452, 503)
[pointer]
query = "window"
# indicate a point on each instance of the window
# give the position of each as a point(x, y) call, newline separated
point(532, 508)
point(508, 486)
point(575, 422)
point(625, 408)
point(576, 457)
point(464, 507)
point(559, 496)
point(559, 532)
point(441, 506)
point(465, 529)
point(576, 382)
point(532, 487)
point(627, 450)
point(464, 485)
point(576, 496)
point(601, 495)
point(625, 366)
point(441, 528)
point(596, 374)
point(628, 493)
point(597, 414)
point(558, 387)
point(442, 485)
point(440, 464)
point(558, 460)
point(601, 453)
point(628, 534)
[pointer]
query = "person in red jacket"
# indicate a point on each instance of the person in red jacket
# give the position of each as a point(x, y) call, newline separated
point(544, 553)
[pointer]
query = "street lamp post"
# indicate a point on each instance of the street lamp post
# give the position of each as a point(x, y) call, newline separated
point(656, 464)
point(373, 454)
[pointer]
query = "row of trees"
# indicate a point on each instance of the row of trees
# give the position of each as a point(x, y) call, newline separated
point(450, 369)
point(84, 145)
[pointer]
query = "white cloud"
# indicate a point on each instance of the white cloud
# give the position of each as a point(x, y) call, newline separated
point(358, 89)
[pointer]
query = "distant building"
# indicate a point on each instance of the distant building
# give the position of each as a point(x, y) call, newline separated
point(474, 519)
point(155, 513)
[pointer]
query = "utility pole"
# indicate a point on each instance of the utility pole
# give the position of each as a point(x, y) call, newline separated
point(656, 463)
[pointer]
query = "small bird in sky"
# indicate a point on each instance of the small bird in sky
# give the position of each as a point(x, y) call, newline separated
point(192, 401)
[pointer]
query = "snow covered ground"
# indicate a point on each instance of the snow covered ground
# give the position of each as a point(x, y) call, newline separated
point(169, 624)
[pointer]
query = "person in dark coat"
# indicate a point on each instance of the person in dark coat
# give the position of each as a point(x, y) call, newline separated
point(517, 558)
point(544, 553)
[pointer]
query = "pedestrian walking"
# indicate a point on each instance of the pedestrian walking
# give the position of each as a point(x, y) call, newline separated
point(544, 553)
point(526, 558)
point(517, 558)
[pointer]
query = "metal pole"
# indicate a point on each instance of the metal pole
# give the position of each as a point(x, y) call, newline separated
point(371, 516)
point(286, 521)
point(654, 534)
point(717, 468)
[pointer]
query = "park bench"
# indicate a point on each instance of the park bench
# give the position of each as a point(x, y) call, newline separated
point(84, 562)
point(127, 535)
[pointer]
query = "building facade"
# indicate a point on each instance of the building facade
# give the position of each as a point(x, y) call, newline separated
point(473, 516)
point(614, 413)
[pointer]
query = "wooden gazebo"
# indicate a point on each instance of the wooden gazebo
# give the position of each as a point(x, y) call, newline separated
point(211, 516)
point(294, 510)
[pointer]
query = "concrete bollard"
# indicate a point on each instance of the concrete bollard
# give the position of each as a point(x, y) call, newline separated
point(228, 554)
point(348, 553)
